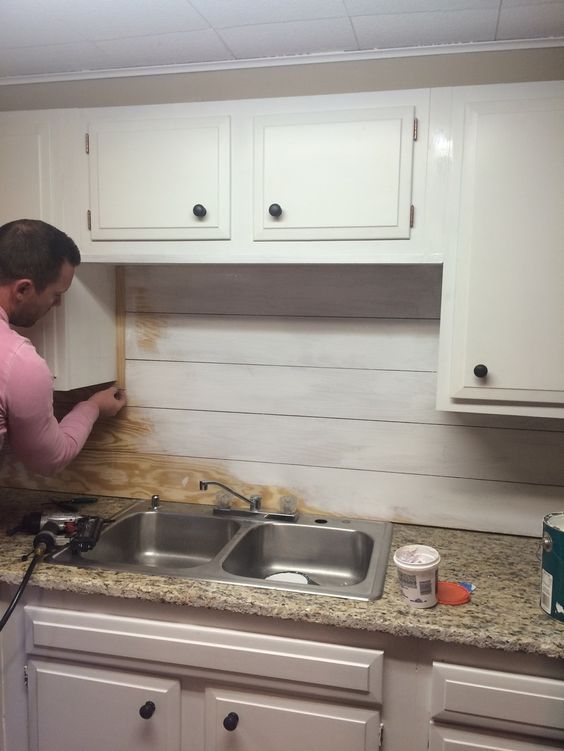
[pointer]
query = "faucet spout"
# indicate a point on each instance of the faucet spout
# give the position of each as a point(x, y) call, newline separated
point(254, 501)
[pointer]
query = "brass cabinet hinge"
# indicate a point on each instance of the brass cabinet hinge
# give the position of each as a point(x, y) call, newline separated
point(415, 128)
point(89, 219)
point(87, 143)
point(411, 216)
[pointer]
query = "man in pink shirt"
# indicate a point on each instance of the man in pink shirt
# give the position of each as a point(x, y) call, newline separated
point(37, 263)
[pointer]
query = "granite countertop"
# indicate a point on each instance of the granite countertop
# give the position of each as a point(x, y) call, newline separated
point(504, 611)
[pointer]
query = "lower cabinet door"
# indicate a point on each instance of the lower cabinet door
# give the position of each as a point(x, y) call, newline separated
point(94, 709)
point(236, 720)
point(456, 739)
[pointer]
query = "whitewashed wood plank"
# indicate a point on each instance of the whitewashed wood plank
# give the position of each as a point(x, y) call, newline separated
point(361, 394)
point(479, 453)
point(391, 344)
point(388, 291)
point(318, 392)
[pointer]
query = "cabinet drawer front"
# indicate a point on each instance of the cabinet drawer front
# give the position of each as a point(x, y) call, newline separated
point(455, 739)
point(86, 708)
point(470, 695)
point(257, 722)
point(310, 663)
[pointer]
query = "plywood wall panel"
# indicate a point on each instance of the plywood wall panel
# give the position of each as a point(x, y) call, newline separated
point(511, 508)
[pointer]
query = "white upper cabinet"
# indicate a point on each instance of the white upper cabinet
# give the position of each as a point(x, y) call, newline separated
point(339, 175)
point(25, 167)
point(319, 179)
point(502, 320)
point(36, 157)
point(159, 179)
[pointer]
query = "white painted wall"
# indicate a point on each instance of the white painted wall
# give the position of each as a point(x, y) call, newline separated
point(322, 380)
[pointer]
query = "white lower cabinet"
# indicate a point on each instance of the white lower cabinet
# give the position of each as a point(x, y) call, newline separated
point(88, 708)
point(494, 710)
point(456, 739)
point(240, 720)
point(129, 684)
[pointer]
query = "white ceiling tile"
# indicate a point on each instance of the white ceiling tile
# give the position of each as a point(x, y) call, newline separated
point(295, 38)
point(56, 58)
point(165, 49)
point(374, 7)
point(534, 20)
point(26, 24)
point(113, 19)
point(225, 13)
point(416, 29)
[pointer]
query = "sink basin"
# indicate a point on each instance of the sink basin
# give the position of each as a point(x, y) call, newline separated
point(148, 540)
point(339, 557)
point(324, 556)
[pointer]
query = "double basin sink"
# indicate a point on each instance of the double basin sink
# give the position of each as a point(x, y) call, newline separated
point(314, 554)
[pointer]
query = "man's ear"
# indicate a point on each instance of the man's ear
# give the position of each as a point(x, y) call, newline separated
point(22, 288)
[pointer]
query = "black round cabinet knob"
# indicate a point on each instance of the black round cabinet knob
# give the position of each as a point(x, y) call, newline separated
point(199, 211)
point(275, 210)
point(480, 371)
point(147, 710)
point(231, 721)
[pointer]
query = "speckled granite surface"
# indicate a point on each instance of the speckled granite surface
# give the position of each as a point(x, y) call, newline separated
point(503, 614)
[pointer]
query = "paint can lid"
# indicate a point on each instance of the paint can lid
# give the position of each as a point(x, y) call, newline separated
point(451, 593)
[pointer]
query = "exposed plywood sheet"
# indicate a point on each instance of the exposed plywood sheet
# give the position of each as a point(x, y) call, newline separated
point(511, 508)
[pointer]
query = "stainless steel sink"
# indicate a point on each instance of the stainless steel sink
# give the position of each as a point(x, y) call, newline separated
point(321, 555)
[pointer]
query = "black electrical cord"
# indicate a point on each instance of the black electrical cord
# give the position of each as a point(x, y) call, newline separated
point(43, 542)
point(37, 555)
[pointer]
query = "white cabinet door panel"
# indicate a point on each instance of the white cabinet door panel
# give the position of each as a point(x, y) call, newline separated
point(147, 175)
point(91, 708)
point(278, 724)
point(25, 168)
point(335, 175)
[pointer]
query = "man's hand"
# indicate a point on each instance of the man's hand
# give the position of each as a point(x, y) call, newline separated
point(109, 401)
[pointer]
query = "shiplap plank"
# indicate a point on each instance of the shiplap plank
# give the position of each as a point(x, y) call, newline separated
point(386, 291)
point(391, 344)
point(449, 451)
point(397, 396)
point(317, 392)
point(508, 508)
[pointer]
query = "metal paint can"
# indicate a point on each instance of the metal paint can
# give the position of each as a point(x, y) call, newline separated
point(552, 566)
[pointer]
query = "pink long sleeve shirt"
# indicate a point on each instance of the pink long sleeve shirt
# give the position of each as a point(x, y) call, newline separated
point(26, 408)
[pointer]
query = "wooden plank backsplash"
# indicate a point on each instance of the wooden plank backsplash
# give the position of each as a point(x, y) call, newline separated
point(315, 381)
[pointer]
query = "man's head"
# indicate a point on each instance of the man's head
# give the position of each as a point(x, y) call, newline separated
point(37, 264)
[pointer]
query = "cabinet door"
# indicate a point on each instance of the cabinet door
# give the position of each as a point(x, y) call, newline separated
point(160, 179)
point(334, 175)
point(25, 167)
point(444, 738)
point(508, 289)
point(90, 709)
point(238, 720)
point(78, 339)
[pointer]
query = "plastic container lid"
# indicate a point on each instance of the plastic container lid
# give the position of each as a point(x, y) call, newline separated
point(451, 593)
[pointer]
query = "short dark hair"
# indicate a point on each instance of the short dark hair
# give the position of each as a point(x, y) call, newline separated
point(32, 249)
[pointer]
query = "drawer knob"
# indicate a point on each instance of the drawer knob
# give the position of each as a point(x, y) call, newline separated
point(275, 210)
point(199, 211)
point(147, 710)
point(480, 371)
point(231, 721)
